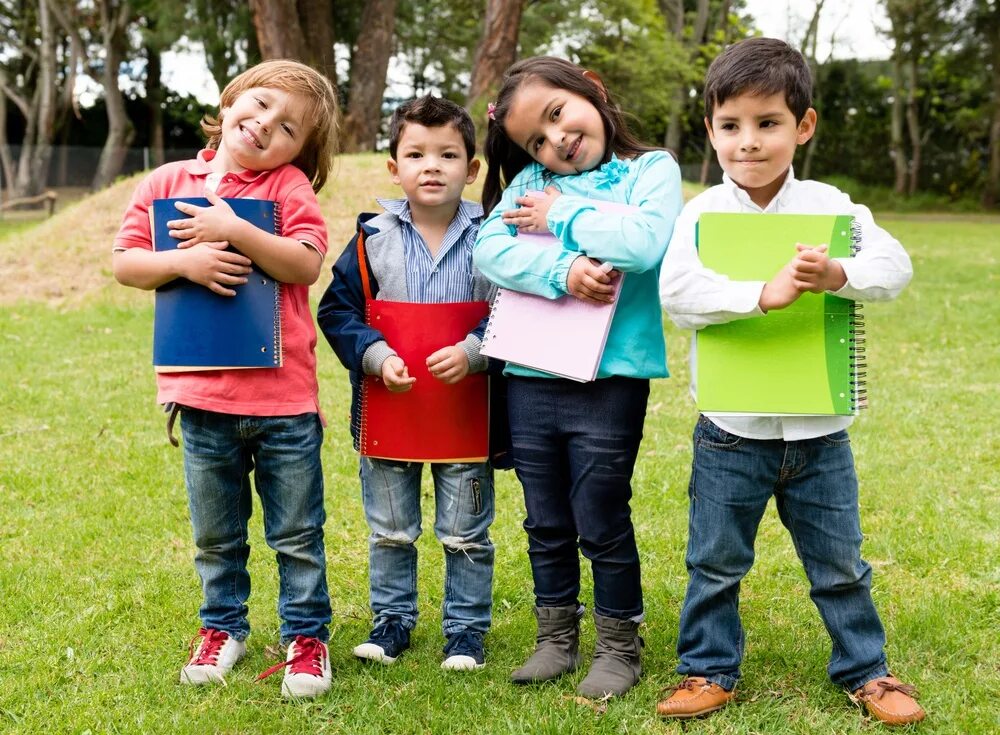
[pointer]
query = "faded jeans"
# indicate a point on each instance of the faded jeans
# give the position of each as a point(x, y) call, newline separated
point(463, 499)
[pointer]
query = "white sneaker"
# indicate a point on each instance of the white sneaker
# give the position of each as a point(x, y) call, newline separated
point(307, 669)
point(215, 657)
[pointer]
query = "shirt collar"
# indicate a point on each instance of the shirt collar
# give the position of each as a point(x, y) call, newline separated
point(744, 198)
point(468, 212)
point(201, 166)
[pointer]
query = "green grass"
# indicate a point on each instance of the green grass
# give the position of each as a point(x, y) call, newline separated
point(98, 595)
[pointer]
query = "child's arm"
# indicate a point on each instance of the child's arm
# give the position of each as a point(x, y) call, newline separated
point(695, 296)
point(881, 268)
point(630, 242)
point(285, 259)
point(208, 264)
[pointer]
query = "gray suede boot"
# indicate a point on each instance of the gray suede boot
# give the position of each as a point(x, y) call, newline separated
point(616, 667)
point(557, 648)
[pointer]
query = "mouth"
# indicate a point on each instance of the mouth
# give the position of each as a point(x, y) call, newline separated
point(250, 138)
point(750, 163)
point(574, 148)
point(432, 185)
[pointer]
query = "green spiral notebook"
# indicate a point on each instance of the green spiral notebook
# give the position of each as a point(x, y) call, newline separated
point(805, 359)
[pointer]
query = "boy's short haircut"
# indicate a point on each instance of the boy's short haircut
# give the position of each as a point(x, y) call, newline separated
point(322, 111)
point(432, 112)
point(759, 67)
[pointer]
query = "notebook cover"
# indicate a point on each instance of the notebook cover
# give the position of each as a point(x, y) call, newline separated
point(564, 336)
point(433, 421)
point(196, 329)
point(793, 361)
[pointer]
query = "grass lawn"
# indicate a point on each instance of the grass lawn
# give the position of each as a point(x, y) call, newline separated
point(98, 595)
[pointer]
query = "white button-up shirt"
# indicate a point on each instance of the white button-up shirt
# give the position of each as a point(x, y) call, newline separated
point(694, 296)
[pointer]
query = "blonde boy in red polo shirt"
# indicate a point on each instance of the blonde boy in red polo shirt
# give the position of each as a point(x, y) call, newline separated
point(273, 139)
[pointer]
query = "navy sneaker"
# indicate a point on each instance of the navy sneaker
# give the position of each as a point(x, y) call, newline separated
point(385, 642)
point(464, 651)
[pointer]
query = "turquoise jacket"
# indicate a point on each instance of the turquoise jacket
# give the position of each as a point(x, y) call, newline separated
point(633, 243)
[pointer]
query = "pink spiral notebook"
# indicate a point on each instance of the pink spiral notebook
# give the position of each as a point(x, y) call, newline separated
point(564, 336)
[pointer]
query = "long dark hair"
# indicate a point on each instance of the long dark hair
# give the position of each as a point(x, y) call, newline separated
point(505, 159)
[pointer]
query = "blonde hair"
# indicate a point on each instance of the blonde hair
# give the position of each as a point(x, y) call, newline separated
point(316, 157)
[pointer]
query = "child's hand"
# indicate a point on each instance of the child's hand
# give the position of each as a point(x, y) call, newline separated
point(533, 211)
point(214, 267)
point(395, 376)
point(591, 280)
point(813, 270)
point(207, 224)
point(449, 364)
point(780, 291)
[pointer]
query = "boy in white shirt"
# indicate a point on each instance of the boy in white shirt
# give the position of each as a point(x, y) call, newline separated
point(758, 97)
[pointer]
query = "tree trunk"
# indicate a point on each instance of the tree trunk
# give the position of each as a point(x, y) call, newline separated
point(114, 24)
point(6, 159)
point(278, 31)
point(497, 48)
point(368, 68)
point(896, 126)
point(913, 126)
point(154, 102)
point(45, 130)
point(316, 21)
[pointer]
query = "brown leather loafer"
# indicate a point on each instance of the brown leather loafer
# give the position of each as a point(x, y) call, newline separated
point(693, 697)
point(889, 700)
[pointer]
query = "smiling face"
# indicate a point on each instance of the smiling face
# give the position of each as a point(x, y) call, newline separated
point(755, 138)
point(432, 166)
point(263, 129)
point(558, 128)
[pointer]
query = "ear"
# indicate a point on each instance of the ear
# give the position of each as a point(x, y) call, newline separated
point(393, 170)
point(473, 171)
point(711, 134)
point(594, 79)
point(807, 127)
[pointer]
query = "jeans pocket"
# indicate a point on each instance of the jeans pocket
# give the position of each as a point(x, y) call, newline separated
point(836, 439)
point(714, 437)
point(477, 496)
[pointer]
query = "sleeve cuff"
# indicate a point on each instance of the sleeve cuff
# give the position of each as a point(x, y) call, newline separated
point(375, 355)
point(560, 271)
point(471, 346)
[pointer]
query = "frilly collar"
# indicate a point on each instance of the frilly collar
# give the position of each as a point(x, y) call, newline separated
point(610, 173)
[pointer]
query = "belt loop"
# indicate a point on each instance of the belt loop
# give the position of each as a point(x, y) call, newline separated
point(173, 409)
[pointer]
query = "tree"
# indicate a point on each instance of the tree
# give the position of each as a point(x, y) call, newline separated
point(115, 18)
point(987, 23)
point(369, 64)
point(225, 30)
point(296, 29)
point(497, 49)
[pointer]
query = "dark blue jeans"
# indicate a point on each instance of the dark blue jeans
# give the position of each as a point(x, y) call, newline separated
point(220, 452)
point(816, 493)
point(574, 447)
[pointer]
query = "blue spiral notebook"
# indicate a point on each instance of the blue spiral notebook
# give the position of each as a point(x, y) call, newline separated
point(196, 329)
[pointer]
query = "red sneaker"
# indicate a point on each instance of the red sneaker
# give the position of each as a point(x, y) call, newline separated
point(214, 657)
point(307, 669)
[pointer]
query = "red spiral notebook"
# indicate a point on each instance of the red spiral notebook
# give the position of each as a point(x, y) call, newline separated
point(431, 422)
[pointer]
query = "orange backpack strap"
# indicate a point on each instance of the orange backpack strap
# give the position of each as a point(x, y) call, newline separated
point(363, 265)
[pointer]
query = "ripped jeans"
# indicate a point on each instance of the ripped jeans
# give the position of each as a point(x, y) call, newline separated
point(463, 495)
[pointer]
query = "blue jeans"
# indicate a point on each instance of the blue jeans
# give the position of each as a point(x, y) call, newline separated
point(816, 493)
point(463, 499)
point(575, 446)
point(283, 452)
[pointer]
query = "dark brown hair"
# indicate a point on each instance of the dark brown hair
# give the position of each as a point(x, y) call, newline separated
point(432, 112)
point(759, 67)
point(316, 157)
point(505, 159)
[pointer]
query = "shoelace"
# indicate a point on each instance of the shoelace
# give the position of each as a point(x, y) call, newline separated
point(465, 643)
point(212, 641)
point(884, 687)
point(688, 684)
point(308, 658)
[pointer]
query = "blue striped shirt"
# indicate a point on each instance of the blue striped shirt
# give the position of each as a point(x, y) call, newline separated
point(446, 277)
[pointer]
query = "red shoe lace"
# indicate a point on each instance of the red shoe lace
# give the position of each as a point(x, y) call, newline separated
point(212, 641)
point(308, 658)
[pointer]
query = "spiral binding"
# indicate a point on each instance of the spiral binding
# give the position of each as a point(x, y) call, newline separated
point(279, 352)
point(856, 329)
point(489, 324)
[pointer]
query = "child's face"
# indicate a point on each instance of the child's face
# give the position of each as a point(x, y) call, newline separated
point(264, 128)
point(755, 139)
point(432, 165)
point(558, 128)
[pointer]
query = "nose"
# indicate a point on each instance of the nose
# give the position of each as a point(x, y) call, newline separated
point(749, 140)
point(555, 137)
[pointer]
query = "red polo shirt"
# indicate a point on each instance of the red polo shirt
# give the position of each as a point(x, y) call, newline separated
point(285, 391)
